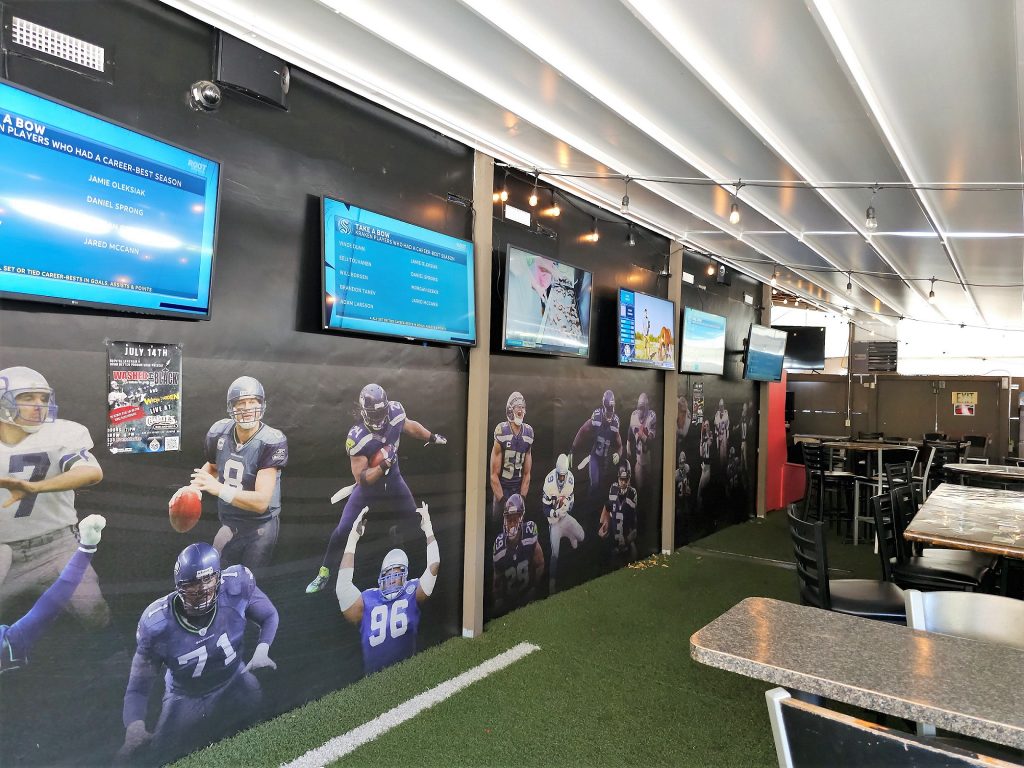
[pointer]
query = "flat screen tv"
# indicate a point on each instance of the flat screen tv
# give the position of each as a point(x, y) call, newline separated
point(766, 348)
point(805, 347)
point(647, 331)
point(547, 305)
point(703, 342)
point(386, 277)
point(95, 214)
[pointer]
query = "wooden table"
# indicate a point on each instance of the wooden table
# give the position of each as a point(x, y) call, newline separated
point(965, 686)
point(866, 446)
point(986, 520)
point(990, 472)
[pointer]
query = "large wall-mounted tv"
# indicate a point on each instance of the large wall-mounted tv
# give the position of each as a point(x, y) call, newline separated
point(547, 305)
point(805, 347)
point(386, 277)
point(647, 331)
point(766, 348)
point(95, 214)
point(703, 342)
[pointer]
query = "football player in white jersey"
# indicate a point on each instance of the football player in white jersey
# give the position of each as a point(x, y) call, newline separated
point(558, 501)
point(43, 460)
point(643, 429)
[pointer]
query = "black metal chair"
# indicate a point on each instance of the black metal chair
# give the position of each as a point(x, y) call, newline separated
point(905, 507)
point(977, 448)
point(913, 572)
point(866, 598)
point(933, 436)
point(821, 480)
point(870, 436)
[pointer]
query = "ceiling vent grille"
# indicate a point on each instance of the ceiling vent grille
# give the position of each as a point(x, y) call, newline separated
point(57, 44)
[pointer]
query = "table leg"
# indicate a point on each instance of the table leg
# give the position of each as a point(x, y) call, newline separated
point(856, 510)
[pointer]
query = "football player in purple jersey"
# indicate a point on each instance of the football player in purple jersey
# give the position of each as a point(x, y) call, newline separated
point(511, 455)
point(196, 633)
point(517, 556)
point(606, 446)
point(389, 614)
point(618, 518)
point(244, 459)
point(16, 640)
point(43, 461)
point(372, 447)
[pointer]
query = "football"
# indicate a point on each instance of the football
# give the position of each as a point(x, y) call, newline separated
point(184, 508)
point(378, 457)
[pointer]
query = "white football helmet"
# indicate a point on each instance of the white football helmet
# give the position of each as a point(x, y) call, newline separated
point(394, 572)
point(561, 467)
point(515, 408)
point(18, 381)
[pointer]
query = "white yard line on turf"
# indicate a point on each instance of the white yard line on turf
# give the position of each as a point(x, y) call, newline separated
point(347, 742)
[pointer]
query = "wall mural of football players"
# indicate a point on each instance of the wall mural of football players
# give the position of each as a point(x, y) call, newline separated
point(517, 558)
point(558, 499)
point(197, 633)
point(722, 431)
point(643, 430)
point(606, 443)
point(372, 446)
point(705, 462)
point(17, 639)
point(244, 459)
point(619, 518)
point(388, 615)
point(511, 455)
point(43, 461)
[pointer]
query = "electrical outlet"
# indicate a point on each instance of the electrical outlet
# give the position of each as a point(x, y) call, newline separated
point(847, 423)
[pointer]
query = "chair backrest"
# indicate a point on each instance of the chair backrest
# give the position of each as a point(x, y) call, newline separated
point(934, 436)
point(811, 560)
point(974, 615)
point(901, 473)
point(889, 550)
point(898, 455)
point(905, 507)
point(808, 735)
point(977, 446)
point(870, 436)
point(814, 456)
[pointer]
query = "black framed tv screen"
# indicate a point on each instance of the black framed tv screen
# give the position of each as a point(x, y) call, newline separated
point(647, 331)
point(766, 348)
point(547, 305)
point(387, 277)
point(805, 347)
point(95, 214)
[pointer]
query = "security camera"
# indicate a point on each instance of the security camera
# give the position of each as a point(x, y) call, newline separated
point(204, 96)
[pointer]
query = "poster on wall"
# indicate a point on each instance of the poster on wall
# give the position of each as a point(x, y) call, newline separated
point(698, 402)
point(144, 397)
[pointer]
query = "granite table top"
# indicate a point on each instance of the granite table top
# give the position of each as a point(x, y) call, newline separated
point(995, 472)
point(966, 686)
point(989, 520)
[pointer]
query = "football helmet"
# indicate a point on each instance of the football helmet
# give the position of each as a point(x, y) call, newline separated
point(608, 403)
point(197, 578)
point(394, 572)
point(625, 474)
point(246, 386)
point(29, 417)
point(515, 402)
point(515, 508)
point(643, 404)
point(373, 406)
point(561, 467)
point(682, 459)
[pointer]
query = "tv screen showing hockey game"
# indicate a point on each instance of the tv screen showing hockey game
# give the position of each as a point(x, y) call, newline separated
point(703, 342)
point(647, 331)
point(386, 277)
point(766, 349)
point(99, 215)
point(547, 305)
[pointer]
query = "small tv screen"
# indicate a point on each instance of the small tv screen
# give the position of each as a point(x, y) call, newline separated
point(547, 305)
point(805, 347)
point(703, 342)
point(647, 331)
point(385, 277)
point(766, 348)
point(95, 214)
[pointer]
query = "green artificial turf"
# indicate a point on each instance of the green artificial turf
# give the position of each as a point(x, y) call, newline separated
point(613, 683)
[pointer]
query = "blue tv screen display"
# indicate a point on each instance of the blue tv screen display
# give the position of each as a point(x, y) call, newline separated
point(703, 342)
point(95, 214)
point(766, 349)
point(384, 276)
point(647, 331)
point(547, 305)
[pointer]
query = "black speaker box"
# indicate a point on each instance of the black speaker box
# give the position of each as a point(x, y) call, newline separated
point(246, 69)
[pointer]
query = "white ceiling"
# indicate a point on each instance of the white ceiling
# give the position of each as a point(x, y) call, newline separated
point(854, 92)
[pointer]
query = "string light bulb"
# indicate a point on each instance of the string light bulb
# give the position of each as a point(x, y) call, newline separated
point(931, 293)
point(594, 234)
point(870, 222)
point(775, 278)
point(849, 281)
point(630, 236)
point(503, 194)
point(734, 214)
point(711, 269)
point(533, 195)
point(624, 205)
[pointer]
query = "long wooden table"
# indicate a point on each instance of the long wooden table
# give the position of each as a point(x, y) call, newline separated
point(988, 520)
point(965, 686)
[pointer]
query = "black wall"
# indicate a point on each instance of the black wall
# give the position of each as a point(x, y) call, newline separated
point(266, 323)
